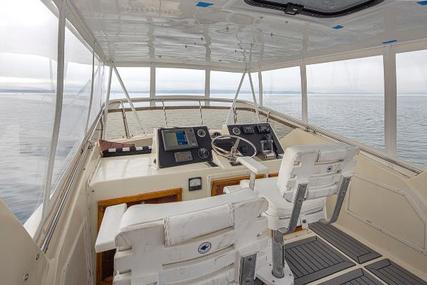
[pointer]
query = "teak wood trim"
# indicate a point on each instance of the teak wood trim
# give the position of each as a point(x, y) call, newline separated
point(133, 199)
point(217, 185)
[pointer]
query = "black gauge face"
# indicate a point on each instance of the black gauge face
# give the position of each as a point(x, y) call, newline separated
point(201, 133)
point(236, 131)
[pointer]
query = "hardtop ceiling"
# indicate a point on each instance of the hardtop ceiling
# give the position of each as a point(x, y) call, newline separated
point(227, 34)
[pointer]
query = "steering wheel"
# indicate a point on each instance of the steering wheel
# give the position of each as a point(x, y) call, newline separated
point(233, 153)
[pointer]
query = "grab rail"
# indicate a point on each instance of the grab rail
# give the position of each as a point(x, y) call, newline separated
point(268, 113)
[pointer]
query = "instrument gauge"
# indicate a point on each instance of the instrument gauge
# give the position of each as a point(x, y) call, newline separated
point(201, 133)
point(236, 131)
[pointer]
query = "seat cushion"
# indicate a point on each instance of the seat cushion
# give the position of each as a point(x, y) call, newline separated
point(145, 213)
point(277, 205)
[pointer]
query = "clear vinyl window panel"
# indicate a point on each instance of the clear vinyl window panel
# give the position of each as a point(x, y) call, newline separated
point(136, 81)
point(282, 91)
point(180, 82)
point(75, 106)
point(224, 85)
point(347, 98)
point(28, 63)
point(412, 107)
point(98, 90)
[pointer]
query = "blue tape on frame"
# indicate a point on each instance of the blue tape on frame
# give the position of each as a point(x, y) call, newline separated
point(338, 27)
point(203, 4)
point(389, 42)
point(422, 3)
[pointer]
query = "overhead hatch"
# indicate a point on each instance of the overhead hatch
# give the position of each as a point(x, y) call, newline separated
point(316, 8)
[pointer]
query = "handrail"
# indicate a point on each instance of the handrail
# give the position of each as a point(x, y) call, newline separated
point(272, 115)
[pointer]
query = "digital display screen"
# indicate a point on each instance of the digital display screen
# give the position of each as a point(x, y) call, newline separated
point(181, 138)
point(176, 139)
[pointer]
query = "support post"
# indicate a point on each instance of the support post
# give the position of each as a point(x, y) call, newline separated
point(125, 121)
point(165, 117)
point(58, 111)
point(304, 95)
point(207, 86)
point(390, 100)
point(296, 210)
point(107, 101)
point(91, 91)
point(342, 191)
point(247, 270)
point(254, 96)
point(152, 85)
point(277, 245)
point(138, 121)
point(261, 89)
point(278, 253)
point(233, 105)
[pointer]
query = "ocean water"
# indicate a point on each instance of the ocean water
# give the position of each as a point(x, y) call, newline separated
point(25, 124)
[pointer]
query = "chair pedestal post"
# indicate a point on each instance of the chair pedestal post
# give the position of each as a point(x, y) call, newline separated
point(342, 191)
point(296, 210)
point(278, 253)
point(247, 270)
point(277, 245)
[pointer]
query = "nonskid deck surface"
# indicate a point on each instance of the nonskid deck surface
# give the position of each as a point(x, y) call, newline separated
point(393, 274)
point(345, 243)
point(312, 259)
point(355, 277)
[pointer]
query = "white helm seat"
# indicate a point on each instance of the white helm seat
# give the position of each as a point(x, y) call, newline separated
point(318, 171)
point(215, 240)
point(279, 214)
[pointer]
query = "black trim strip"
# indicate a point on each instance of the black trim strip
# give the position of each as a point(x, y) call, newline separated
point(294, 9)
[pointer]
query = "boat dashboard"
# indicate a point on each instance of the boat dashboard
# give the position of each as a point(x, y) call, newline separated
point(190, 158)
point(187, 145)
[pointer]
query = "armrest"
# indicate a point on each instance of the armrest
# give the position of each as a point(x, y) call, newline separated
point(110, 227)
point(253, 165)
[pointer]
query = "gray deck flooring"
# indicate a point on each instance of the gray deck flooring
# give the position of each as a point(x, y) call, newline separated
point(355, 277)
point(345, 243)
point(393, 274)
point(311, 259)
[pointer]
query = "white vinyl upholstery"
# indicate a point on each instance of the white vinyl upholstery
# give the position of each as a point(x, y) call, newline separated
point(110, 227)
point(321, 167)
point(279, 211)
point(190, 242)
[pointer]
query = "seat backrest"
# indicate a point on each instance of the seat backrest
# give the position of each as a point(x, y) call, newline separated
point(192, 242)
point(320, 167)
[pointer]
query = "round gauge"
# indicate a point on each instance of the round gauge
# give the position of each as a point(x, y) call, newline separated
point(236, 131)
point(203, 153)
point(201, 133)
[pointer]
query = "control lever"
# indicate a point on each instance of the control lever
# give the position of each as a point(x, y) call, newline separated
point(267, 148)
point(234, 148)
